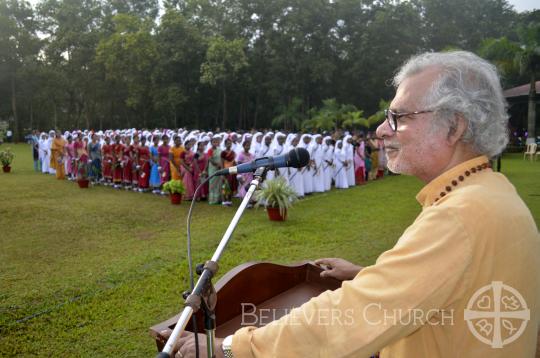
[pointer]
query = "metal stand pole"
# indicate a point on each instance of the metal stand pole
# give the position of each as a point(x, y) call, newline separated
point(203, 290)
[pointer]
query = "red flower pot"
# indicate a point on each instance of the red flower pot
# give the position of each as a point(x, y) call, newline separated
point(6, 168)
point(83, 183)
point(274, 215)
point(176, 198)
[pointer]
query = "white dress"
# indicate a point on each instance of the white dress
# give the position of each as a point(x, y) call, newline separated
point(42, 154)
point(340, 158)
point(328, 169)
point(350, 169)
point(318, 175)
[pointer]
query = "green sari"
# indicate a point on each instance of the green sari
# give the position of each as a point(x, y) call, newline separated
point(214, 190)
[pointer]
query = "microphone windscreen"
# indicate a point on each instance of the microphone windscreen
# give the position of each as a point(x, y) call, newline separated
point(298, 158)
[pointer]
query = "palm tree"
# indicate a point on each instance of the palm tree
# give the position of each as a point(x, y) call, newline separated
point(518, 58)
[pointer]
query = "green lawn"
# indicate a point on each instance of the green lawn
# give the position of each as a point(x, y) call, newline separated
point(87, 272)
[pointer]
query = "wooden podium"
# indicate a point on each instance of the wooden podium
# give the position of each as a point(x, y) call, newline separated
point(263, 291)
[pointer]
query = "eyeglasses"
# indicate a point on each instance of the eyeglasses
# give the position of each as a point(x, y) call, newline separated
point(392, 117)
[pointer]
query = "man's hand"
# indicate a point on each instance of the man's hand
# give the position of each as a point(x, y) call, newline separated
point(338, 268)
point(185, 346)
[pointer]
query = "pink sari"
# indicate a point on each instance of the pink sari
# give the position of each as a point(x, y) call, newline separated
point(188, 176)
point(202, 165)
point(70, 160)
point(359, 164)
point(246, 178)
point(163, 152)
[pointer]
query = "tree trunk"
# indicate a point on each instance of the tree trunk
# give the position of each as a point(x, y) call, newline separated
point(31, 115)
point(14, 110)
point(531, 114)
point(256, 111)
point(241, 113)
point(55, 117)
point(224, 108)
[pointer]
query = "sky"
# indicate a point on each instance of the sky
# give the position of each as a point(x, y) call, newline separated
point(525, 5)
point(519, 5)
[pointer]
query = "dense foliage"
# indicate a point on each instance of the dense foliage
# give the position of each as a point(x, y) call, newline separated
point(225, 63)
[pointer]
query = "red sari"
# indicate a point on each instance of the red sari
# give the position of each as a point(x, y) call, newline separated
point(228, 157)
point(81, 157)
point(118, 156)
point(144, 166)
point(127, 161)
point(107, 152)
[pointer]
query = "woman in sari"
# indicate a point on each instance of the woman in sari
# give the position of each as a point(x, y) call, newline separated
point(70, 158)
point(359, 163)
point(175, 158)
point(118, 156)
point(374, 146)
point(214, 164)
point(188, 170)
point(155, 176)
point(164, 166)
point(81, 157)
point(107, 156)
point(94, 151)
point(57, 155)
point(143, 165)
point(135, 162)
point(230, 183)
point(201, 170)
point(127, 163)
point(244, 179)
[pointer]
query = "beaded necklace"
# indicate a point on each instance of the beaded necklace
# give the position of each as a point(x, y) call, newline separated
point(461, 178)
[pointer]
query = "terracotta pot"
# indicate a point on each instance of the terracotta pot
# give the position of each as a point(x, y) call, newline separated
point(6, 168)
point(274, 215)
point(176, 198)
point(83, 183)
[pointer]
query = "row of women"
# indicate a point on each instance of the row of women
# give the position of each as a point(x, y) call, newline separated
point(144, 161)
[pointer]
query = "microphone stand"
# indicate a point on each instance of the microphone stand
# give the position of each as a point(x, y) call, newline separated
point(204, 293)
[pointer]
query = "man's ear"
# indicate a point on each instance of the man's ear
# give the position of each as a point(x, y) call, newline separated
point(457, 129)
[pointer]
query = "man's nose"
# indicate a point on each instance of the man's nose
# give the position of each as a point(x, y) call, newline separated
point(384, 130)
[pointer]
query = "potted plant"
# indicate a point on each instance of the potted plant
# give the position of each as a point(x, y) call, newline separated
point(82, 174)
point(175, 188)
point(277, 196)
point(6, 158)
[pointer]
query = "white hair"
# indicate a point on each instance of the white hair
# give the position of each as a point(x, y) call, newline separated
point(467, 85)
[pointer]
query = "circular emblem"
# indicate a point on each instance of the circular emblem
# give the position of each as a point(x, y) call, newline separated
point(497, 314)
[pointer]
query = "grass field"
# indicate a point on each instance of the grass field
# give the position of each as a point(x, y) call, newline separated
point(85, 273)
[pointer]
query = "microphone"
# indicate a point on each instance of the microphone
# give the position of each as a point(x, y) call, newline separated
point(296, 158)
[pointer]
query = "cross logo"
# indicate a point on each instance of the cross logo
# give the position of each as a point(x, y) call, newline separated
point(497, 314)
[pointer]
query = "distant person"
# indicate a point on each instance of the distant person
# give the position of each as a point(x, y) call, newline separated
point(34, 141)
point(58, 155)
point(9, 136)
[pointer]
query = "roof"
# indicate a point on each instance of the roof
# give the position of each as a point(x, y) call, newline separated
point(519, 91)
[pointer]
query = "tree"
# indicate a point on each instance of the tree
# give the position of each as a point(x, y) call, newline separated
point(176, 76)
point(72, 29)
point(19, 46)
point(224, 60)
point(290, 116)
point(128, 56)
point(511, 57)
point(529, 60)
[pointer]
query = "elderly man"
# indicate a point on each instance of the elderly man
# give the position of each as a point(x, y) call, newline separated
point(463, 280)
